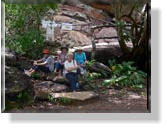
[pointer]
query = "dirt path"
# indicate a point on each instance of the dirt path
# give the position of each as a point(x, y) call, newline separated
point(110, 100)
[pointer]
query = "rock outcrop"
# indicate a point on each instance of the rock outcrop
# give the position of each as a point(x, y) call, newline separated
point(45, 88)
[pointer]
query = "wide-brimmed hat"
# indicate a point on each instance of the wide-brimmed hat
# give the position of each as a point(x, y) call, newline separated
point(79, 49)
point(64, 47)
point(45, 51)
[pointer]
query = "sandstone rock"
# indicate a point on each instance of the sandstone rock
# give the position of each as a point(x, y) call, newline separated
point(75, 15)
point(81, 96)
point(61, 80)
point(59, 18)
point(100, 68)
point(74, 38)
point(106, 32)
point(43, 89)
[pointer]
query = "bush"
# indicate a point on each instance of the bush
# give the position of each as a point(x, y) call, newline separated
point(125, 75)
point(91, 76)
point(29, 43)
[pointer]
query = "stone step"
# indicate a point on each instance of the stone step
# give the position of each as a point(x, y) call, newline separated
point(81, 96)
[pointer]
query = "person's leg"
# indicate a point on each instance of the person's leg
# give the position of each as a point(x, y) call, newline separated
point(72, 78)
point(57, 66)
point(75, 81)
point(32, 70)
point(68, 77)
point(43, 69)
point(61, 70)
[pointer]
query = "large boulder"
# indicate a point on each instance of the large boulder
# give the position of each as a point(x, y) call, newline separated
point(100, 68)
point(10, 57)
point(105, 34)
point(72, 39)
point(15, 81)
point(44, 88)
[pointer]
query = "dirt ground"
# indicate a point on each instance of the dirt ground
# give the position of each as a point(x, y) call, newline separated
point(109, 101)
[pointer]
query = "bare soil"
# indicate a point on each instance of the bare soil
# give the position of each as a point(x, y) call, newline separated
point(109, 101)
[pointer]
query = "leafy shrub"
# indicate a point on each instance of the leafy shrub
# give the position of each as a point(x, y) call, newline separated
point(23, 34)
point(30, 43)
point(90, 63)
point(36, 75)
point(64, 100)
point(24, 97)
point(91, 76)
point(125, 75)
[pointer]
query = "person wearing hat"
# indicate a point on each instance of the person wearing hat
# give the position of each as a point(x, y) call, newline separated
point(59, 66)
point(80, 58)
point(46, 64)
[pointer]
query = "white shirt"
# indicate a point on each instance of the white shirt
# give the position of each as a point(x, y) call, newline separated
point(68, 64)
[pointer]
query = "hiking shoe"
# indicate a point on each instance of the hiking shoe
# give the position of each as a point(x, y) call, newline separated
point(27, 72)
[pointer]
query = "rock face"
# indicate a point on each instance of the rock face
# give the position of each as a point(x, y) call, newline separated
point(43, 89)
point(82, 17)
point(15, 80)
point(73, 39)
point(81, 96)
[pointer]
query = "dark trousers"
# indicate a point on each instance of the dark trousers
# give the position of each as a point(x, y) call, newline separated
point(41, 68)
point(73, 78)
point(58, 66)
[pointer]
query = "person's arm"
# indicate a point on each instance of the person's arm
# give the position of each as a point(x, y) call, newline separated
point(75, 67)
point(84, 58)
point(39, 61)
point(84, 55)
point(44, 63)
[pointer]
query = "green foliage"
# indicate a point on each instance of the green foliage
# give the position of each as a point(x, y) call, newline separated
point(24, 97)
point(30, 43)
point(64, 100)
point(90, 63)
point(23, 33)
point(125, 34)
point(91, 76)
point(125, 75)
point(120, 23)
point(50, 98)
point(36, 75)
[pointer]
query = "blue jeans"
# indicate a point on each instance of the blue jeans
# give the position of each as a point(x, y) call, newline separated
point(58, 66)
point(73, 78)
point(41, 68)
